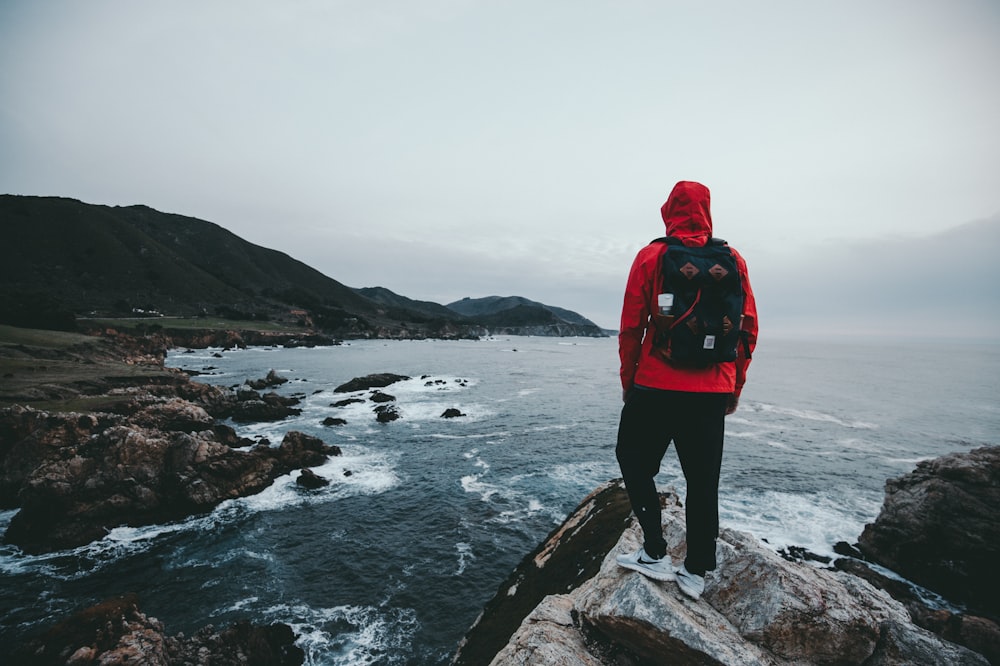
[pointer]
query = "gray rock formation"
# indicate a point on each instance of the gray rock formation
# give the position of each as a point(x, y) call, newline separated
point(757, 609)
point(116, 631)
point(938, 527)
point(74, 476)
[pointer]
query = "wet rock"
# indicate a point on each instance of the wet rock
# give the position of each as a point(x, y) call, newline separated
point(129, 475)
point(272, 379)
point(116, 631)
point(757, 609)
point(451, 413)
point(268, 407)
point(346, 402)
point(333, 421)
point(938, 528)
point(379, 380)
point(386, 413)
point(378, 396)
point(571, 554)
point(309, 479)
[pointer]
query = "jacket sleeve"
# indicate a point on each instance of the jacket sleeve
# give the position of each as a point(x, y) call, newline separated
point(748, 327)
point(635, 313)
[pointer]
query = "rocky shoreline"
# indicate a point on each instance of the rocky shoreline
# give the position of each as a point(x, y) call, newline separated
point(155, 451)
point(761, 607)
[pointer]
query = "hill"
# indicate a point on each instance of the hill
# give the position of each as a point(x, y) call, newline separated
point(62, 259)
point(520, 308)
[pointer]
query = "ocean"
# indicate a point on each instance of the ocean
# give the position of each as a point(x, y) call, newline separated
point(426, 516)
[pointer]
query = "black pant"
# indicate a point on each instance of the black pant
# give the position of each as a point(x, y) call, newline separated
point(695, 422)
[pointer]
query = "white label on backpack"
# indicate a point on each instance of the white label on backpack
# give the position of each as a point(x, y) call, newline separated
point(709, 342)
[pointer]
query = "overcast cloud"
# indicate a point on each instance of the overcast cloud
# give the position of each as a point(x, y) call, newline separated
point(461, 148)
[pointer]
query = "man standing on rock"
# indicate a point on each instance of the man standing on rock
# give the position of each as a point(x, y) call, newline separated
point(688, 329)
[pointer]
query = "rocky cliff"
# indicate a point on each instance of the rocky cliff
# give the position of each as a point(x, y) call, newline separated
point(758, 607)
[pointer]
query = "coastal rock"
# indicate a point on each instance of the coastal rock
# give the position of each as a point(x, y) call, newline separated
point(268, 407)
point(309, 479)
point(386, 413)
point(116, 631)
point(379, 396)
point(30, 438)
point(129, 475)
point(938, 528)
point(346, 402)
point(757, 609)
point(334, 421)
point(571, 554)
point(379, 380)
point(272, 379)
point(451, 413)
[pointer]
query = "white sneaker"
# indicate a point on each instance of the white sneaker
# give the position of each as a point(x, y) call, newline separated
point(659, 569)
point(690, 584)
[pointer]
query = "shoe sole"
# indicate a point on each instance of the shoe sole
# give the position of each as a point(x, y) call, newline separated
point(692, 595)
point(665, 578)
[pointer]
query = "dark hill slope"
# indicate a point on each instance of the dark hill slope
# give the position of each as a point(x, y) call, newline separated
point(90, 257)
point(494, 305)
point(392, 300)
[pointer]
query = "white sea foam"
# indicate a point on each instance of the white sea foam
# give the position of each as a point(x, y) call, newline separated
point(815, 522)
point(811, 415)
point(465, 555)
point(347, 635)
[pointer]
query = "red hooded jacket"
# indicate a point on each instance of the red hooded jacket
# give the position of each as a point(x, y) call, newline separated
point(687, 216)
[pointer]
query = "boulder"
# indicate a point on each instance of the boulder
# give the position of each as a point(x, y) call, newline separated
point(379, 380)
point(309, 479)
point(451, 413)
point(758, 608)
point(272, 379)
point(570, 555)
point(116, 631)
point(130, 475)
point(938, 528)
point(346, 402)
point(333, 421)
point(378, 396)
point(386, 413)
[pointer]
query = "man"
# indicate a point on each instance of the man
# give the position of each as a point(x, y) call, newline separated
point(667, 399)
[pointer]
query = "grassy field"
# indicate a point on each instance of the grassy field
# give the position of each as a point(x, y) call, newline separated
point(59, 371)
point(142, 324)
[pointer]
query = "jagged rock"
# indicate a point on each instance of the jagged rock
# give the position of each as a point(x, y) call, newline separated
point(117, 632)
point(346, 402)
point(380, 397)
point(268, 407)
point(175, 414)
point(571, 554)
point(30, 438)
point(757, 609)
point(333, 421)
point(309, 479)
point(128, 475)
point(976, 633)
point(386, 413)
point(379, 380)
point(938, 527)
point(272, 379)
point(451, 413)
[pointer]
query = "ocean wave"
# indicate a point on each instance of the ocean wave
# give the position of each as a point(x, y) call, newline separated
point(815, 522)
point(369, 474)
point(348, 635)
point(811, 415)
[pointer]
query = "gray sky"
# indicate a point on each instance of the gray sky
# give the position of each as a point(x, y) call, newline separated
point(454, 148)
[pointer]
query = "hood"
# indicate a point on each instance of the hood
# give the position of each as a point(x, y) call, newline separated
point(687, 213)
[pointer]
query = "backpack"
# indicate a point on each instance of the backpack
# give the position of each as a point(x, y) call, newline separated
point(699, 306)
